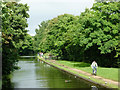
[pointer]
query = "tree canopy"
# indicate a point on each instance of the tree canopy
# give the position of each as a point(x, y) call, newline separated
point(14, 21)
point(94, 35)
point(27, 46)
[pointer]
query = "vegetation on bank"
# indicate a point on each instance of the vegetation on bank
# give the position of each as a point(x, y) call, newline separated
point(26, 48)
point(94, 35)
point(14, 21)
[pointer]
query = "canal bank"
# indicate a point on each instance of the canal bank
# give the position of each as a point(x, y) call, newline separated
point(83, 75)
point(37, 74)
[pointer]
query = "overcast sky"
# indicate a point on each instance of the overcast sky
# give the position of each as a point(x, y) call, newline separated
point(42, 10)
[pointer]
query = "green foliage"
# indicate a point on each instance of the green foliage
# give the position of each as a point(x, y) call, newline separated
point(100, 26)
point(40, 38)
point(101, 31)
point(54, 35)
point(27, 46)
point(14, 21)
point(94, 35)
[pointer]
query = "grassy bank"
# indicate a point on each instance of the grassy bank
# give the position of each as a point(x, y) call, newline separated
point(84, 67)
point(109, 73)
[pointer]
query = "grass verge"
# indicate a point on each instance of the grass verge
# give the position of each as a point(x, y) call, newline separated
point(108, 73)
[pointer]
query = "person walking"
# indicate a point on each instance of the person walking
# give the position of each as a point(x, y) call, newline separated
point(94, 67)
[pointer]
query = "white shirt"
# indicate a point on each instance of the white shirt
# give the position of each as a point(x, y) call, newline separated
point(94, 64)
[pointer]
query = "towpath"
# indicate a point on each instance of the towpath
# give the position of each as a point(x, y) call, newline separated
point(86, 73)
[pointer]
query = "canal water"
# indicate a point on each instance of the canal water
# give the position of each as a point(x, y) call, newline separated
point(37, 74)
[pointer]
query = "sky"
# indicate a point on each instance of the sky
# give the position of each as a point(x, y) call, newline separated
point(42, 10)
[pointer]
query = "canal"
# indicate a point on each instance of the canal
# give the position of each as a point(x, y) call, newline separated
point(37, 74)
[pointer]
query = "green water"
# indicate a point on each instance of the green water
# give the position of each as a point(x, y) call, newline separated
point(37, 74)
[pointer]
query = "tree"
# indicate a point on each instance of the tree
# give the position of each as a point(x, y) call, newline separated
point(14, 21)
point(40, 37)
point(94, 35)
point(100, 27)
point(27, 46)
point(51, 35)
